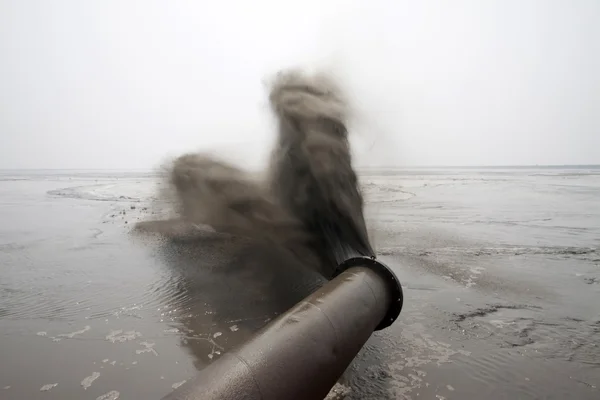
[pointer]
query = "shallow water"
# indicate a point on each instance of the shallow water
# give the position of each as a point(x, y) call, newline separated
point(501, 270)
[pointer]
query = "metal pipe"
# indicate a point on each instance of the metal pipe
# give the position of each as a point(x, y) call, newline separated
point(302, 353)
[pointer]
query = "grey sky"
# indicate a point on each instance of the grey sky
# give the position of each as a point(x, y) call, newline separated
point(124, 83)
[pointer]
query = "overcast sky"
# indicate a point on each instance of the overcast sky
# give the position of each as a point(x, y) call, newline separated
point(124, 83)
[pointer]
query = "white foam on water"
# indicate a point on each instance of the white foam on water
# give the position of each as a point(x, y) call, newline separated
point(87, 381)
point(47, 387)
point(338, 392)
point(120, 336)
point(178, 384)
point(73, 334)
point(148, 348)
point(112, 395)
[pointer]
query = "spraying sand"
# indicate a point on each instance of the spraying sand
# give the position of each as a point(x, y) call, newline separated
point(309, 203)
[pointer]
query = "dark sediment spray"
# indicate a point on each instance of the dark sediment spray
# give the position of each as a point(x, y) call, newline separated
point(309, 201)
point(311, 166)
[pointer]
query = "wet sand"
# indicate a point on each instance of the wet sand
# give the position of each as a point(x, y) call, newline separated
point(501, 271)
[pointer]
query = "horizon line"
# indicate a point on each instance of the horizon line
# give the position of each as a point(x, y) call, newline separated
point(358, 167)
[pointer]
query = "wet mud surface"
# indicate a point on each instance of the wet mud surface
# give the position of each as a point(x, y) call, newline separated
point(500, 268)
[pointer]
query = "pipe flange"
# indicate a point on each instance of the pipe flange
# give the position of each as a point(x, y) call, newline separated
point(391, 280)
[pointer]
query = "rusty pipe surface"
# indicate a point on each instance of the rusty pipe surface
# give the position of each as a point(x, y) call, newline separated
point(302, 353)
